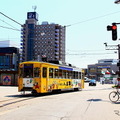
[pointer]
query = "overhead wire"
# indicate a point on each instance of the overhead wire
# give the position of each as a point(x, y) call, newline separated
point(94, 18)
point(87, 20)
point(88, 53)
point(83, 50)
point(9, 28)
point(13, 28)
point(8, 24)
point(10, 18)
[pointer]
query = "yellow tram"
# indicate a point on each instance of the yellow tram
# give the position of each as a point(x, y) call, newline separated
point(42, 77)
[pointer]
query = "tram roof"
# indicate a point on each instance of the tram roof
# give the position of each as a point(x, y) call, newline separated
point(62, 66)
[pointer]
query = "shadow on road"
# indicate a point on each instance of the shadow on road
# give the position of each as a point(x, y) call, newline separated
point(41, 94)
point(98, 100)
point(23, 97)
point(95, 100)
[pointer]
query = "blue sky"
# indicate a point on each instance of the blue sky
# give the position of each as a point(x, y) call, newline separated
point(85, 36)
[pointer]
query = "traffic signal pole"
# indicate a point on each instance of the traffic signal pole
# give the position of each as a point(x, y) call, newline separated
point(119, 59)
point(113, 28)
point(118, 53)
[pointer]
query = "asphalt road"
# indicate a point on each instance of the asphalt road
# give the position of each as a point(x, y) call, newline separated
point(92, 103)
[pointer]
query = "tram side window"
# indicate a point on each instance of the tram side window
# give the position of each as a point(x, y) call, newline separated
point(36, 72)
point(69, 74)
point(60, 73)
point(50, 72)
point(79, 75)
point(44, 72)
point(73, 74)
point(76, 75)
point(56, 73)
point(64, 73)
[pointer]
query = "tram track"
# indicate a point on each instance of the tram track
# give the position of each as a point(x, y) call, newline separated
point(19, 98)
point(1, 101)
point(22, 98)
point(15, 99)
point(11, 104)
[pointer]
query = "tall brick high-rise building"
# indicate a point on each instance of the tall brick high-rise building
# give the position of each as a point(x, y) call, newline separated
point(39, 41)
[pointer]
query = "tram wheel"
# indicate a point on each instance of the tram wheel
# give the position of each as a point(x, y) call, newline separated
point(34, 93)
point(76, 89)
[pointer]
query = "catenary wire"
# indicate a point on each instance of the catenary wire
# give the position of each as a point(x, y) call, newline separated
point(94, 18)
point(10, 18)
point(8, 24)
point(10, 28)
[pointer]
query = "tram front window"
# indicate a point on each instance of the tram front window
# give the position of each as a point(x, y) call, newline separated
point(28, 71)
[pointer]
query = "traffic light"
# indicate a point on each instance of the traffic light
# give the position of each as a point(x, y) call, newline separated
point(114, 32)
point(113, 28)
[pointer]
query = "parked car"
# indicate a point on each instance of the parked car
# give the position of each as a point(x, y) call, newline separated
point(87, 80)
point(92, 82)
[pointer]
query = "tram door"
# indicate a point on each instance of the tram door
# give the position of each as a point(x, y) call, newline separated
point(44, 79)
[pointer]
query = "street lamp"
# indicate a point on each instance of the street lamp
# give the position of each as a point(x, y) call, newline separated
point(117, 2)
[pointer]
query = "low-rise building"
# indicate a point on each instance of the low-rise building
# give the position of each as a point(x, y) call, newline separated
point(9, 60)
point(103, 67)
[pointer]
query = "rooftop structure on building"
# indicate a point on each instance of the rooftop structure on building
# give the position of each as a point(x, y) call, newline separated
point(42, 41)
point(112, 61)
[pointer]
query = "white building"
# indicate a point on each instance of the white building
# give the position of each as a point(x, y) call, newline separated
point(5, 43)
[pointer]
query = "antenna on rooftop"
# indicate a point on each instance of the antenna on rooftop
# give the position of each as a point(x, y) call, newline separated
point(34, 7)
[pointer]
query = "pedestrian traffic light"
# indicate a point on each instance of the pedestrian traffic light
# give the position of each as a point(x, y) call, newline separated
point(113, 28)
